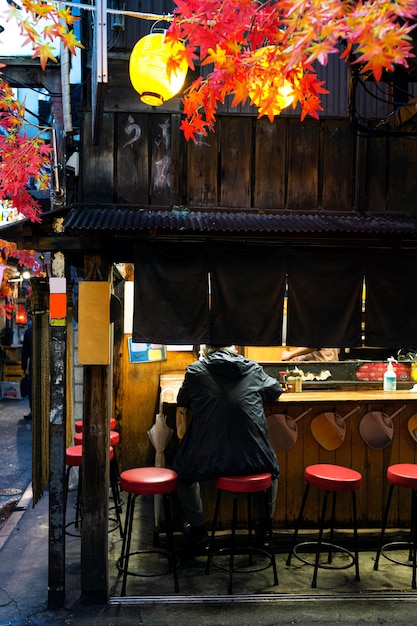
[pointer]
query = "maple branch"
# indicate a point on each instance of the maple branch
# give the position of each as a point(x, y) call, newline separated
point(152, 17)
point(232, 36)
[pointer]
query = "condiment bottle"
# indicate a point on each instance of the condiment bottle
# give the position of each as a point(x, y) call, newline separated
point(298, 384)
point(390, 378)
point(291, 384)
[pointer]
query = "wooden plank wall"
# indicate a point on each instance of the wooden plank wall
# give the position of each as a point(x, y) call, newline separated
point(143, 159)
point(354, 453)
point(137, 401)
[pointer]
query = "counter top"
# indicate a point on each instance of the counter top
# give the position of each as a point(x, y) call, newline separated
point(366, 395)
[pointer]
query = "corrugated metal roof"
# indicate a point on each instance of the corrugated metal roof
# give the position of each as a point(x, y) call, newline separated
point(138, 219)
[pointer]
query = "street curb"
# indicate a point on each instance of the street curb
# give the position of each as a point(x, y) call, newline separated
point(19, 510)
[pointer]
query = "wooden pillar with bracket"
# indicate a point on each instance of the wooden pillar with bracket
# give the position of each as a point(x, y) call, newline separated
point(57, 417)
point(94, 353)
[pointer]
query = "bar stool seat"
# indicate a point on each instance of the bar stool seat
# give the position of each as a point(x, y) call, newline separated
point(236, 485)
point(114, 438)
point(330, 479)
point(74, 458)
point(401, 475)
point(144, 481)
point(114, 472)
point(79, 425)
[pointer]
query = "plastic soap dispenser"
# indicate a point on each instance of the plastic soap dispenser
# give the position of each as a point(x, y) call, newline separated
point(390, 378)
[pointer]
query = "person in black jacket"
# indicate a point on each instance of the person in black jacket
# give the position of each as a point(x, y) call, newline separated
point(227, 434)
point(27, 364)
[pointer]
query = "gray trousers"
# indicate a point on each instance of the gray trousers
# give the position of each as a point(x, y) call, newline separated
point(192, 506)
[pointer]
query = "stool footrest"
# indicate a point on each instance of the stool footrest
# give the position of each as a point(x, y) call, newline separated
point(249, 553)
point(331, 548)
point(76, 525)
point(164, 553)
point(113, 523)
point(394, 546)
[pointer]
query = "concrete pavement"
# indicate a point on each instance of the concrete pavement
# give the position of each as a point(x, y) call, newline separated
point(16, 454)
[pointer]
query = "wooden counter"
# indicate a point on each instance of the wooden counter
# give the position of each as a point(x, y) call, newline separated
point(365, 395)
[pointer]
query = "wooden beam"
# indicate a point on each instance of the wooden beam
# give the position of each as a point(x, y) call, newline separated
point(99, 74)
point(95, 475)
point(95, 486)
point(57, 439)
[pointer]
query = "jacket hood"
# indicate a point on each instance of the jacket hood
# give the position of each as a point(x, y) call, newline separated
point(227, 364)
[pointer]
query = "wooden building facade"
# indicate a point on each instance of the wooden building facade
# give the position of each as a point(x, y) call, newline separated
point(352, 163)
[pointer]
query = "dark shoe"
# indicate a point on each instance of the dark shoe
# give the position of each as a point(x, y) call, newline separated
point(196, 541)
point(262, 534)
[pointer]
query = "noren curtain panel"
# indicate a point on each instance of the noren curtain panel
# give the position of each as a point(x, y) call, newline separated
point(218, 293)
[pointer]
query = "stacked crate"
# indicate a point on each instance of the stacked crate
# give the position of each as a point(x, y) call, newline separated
point(12, 375)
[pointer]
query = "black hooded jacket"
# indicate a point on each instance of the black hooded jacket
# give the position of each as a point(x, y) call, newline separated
point(228, 433)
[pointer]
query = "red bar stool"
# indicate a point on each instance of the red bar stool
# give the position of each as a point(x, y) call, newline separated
point(79, 425)
point(236, 485)
point(401, 475)
point(145, 481)
point(114, 473)
point(330, 479)
point(113, 424)
point(114, 438)
point(74, 458)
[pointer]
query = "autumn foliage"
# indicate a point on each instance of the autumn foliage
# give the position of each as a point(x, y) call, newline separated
point(26, 159)
point(226, 36)
point(249, 50)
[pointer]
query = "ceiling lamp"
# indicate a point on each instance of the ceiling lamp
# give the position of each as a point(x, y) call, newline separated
point(265, 76)
point(149, 72)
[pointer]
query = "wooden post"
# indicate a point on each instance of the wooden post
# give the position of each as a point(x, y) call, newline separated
point(56, 565)
point(95, 474)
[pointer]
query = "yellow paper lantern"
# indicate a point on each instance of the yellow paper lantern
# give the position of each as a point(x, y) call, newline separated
point(262, 83)
point(148, 69)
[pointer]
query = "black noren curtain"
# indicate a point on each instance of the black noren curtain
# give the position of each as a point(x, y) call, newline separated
point(247, 295)
point(171, 294)
point(324, 297)
point(391, 299)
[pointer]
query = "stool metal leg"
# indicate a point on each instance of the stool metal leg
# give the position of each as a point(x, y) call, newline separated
point(271, 545)
point(170, 538)
point(329, 546)
point(298, 523)
point(78, 514)
point(249, 502)
point(232, 544)
point(355, 536)
point(320, 539)
point(412, 543)
point(124, 559)
point(251, 550)
point(67, 486)
point(114, 479)
point(213, 531)
point(116, 499)
point(383, 527)
point(332, 524)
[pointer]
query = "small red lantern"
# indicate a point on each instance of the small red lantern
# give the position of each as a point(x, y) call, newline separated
point(21, 315)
